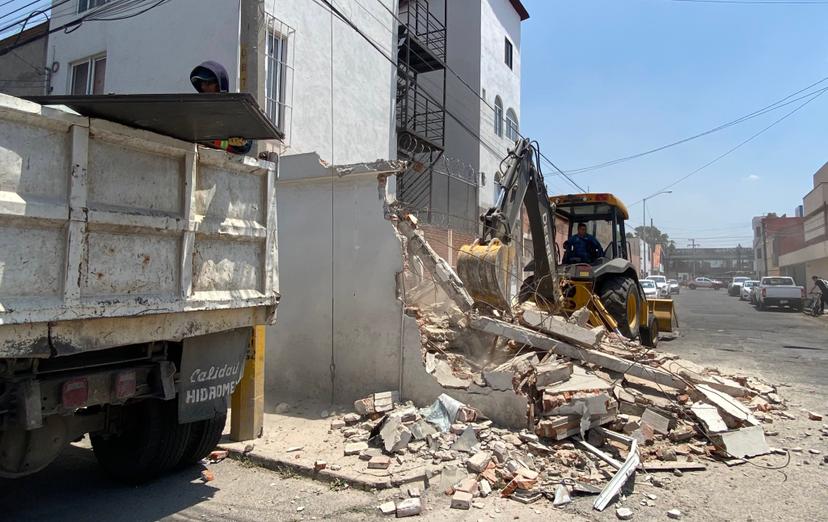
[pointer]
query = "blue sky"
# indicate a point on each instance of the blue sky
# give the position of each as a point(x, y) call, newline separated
point(603, 79)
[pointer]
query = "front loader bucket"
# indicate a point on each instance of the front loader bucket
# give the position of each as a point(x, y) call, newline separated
point(664, 313)
point(486, 272)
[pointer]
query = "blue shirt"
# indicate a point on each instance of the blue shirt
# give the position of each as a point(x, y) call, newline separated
point(585, 248)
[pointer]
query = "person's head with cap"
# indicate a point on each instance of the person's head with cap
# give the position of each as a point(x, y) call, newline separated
point(210, 76)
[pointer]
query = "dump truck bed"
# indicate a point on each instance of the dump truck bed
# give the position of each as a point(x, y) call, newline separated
point(111, 235)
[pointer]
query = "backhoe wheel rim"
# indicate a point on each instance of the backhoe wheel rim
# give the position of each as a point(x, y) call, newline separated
point(632, 311)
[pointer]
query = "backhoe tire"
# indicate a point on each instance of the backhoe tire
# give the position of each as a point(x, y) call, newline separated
point(151, 442)
point(204, 437)
point(620, 297)
point(649, 334)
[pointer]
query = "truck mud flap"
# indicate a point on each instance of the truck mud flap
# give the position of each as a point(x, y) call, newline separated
point(211, 368)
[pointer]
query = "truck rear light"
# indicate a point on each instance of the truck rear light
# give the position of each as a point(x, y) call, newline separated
point(802, 292)
point(764, 292)
point(75, 393)
point(125, 383)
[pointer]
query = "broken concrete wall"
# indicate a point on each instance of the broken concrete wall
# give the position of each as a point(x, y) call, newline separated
point(337, 336)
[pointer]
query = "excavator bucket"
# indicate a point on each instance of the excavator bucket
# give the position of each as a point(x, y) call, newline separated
point(486, 272)
point(664, 313)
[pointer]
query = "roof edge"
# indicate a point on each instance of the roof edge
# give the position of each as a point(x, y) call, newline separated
point(521, 10)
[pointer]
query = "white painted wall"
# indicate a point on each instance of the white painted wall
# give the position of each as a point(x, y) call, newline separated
point(498, 20)
point(342, 88)
point(155, 51)
point(337, 335)
point(343, 98)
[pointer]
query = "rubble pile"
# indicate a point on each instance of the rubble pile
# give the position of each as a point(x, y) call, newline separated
point(599, 407)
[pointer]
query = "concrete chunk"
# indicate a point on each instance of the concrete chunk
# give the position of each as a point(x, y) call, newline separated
point(744, 442)
point(387, 508)
point(379, 462)
point(478, 462)
point(660, 423)
point(355, 448)
point(364, 406)
point(709, 416)
point(461, 500)
point(551, 373)
point(409, 507)
point(499, 380)
point(624, 513)
point(558, 328)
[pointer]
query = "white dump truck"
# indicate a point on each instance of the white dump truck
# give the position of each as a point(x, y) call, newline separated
point(133, 268)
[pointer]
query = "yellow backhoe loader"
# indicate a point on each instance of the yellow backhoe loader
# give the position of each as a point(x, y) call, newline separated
point(605, 282)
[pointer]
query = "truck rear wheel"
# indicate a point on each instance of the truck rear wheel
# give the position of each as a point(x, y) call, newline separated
point(151, 441)
point(204, 437)
point(619, 294)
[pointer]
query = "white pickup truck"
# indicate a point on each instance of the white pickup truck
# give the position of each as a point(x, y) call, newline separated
point(133, 267)
point(779, 291)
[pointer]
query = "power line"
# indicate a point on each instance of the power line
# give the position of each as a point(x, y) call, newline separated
point(116, 7)
point(772, 107)
point(733, 149)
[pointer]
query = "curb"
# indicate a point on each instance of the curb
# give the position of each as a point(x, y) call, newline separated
point(306, 469)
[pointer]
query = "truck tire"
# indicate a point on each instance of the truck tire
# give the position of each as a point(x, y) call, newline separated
point(204, 437)
point(649, 334)
point(691, 286)
point(620, 297)
point(151, 442)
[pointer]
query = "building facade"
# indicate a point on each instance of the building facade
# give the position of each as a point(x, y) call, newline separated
point(811, 258)
point(689, 263)
point(773, 237)
point(295, 56)
point(24, 71)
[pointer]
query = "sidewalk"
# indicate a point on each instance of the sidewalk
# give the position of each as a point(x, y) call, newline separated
point(299, 437)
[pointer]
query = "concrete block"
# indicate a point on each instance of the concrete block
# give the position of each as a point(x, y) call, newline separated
point(499, 380)
point(484, 487)
point(379, 462)
point(478, 462)
point(552, 373)
point(351, 418)
point(660, 423)
point(409, 507)
point(388, 508)
point(355, 448)
point(461, 500)
point(369, 453)
point(744, 442)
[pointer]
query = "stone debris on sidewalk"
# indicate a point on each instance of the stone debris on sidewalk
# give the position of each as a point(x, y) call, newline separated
point(598, 406)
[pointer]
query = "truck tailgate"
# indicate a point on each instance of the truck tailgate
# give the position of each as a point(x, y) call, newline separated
point(110, 234)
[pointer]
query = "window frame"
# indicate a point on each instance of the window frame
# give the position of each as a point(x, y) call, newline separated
point(508, 52)
point(498, 116)
point(83, 5)
point(512, 125)
point(90, 63)
point(275, 105)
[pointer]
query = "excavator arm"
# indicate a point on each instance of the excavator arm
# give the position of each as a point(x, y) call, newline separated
point(486, 266)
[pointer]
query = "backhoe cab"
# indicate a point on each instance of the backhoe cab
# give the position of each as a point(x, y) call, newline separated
point(607, 275)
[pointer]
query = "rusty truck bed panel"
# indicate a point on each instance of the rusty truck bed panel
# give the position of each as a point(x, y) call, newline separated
point(99, 220)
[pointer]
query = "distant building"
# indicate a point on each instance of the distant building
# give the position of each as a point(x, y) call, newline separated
point(774, 236)
point(811, 258)
point(688, 263)
point(24, 71)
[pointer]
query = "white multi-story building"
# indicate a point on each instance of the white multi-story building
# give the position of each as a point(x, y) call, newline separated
point(295, 56)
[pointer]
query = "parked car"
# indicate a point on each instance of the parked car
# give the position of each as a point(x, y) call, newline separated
point(746, 293)
point(705, 282)
point(781, 292)
point(735, 287)
point(674, 286)
point(661, 284)
point(650, 288)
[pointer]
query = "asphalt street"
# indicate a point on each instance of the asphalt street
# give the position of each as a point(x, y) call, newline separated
point(789, 348)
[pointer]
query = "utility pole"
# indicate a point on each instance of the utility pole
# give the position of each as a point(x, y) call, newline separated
point(693, 245)
point(644, 223)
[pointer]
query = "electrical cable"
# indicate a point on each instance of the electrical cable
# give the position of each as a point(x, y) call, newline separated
point(733, 149)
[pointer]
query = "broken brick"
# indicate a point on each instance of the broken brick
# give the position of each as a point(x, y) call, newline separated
point(461, 500)
point(379, 462)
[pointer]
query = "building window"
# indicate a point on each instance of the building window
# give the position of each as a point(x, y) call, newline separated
point(275, 75)
point(84, 5)
point(511, 125)
point(508, 57)
point(498, 116)
point(89, 76)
